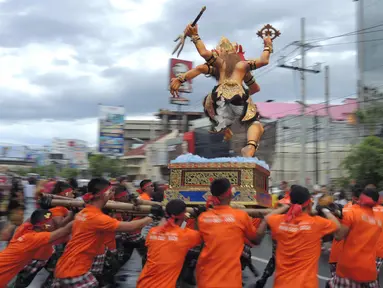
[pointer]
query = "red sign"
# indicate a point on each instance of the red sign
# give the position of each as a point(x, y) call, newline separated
point(177, 67)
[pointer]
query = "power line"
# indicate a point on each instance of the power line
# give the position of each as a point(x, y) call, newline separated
point(353, 42)
point(346, 34)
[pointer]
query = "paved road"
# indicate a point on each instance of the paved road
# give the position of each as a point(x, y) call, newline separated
point(261, 255)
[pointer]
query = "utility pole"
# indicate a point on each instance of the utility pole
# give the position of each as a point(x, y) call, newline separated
point(316, 154)
point(360, 59)
point(328, 124)
point(302, 69)
point(282, 151)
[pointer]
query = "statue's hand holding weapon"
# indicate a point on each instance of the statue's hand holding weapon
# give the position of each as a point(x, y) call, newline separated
point(181, 38)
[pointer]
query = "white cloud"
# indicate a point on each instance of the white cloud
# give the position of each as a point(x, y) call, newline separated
point(42, 132)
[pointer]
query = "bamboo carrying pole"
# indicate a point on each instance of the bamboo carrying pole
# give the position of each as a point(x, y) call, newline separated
point(142, 208)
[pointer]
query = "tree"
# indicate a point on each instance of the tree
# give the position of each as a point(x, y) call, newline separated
point(101, 166)
point(69, 173)
point(365, 162)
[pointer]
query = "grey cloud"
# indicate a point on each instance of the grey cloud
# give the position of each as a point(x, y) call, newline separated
point(59, 62)
point(43, 21)
point(57, 80)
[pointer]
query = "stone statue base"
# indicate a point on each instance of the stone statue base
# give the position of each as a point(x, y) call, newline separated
point(191, 175)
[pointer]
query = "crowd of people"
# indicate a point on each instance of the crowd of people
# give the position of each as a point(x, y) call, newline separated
point(208, 248)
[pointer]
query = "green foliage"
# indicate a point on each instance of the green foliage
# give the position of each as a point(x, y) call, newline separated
point(342, 182)
point(101, 166)
point(365, 162)
point(69, 173)
point(370, 116)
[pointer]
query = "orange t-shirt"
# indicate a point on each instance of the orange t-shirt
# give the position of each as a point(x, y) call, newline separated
point(145, 196)
point(88, 237)
point(59, 211)
point(45, 252)
point(223, 230)
point(20, 252)
point(190, 223)
point(298, 249)
point(358, 258)
point(256, 222)
point(166, 254)
point(379, 246)
point(337, 246)
point(110, 240)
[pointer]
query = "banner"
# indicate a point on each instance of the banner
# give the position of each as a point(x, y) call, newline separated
point(111, 139)
point(14, 152)
point(177, 67)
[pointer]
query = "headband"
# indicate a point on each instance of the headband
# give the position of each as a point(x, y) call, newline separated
point(216, 200)
point(141, 190)
point(44, 222)
point(28, 226)
point(66, 192)
point(171, 221)
point(366, 201)
point(120, 195)
point(295, 210)
point(89, 196)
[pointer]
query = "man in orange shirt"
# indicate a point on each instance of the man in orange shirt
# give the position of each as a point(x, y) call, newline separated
point(90, 227)
point(379, 249)
point(146, 190)
point(298, 236)
point(362, 227)
point(23, 248)
point(337, 246)
point(224, 230)
point(134, 239)
point(43, 256)
point(167, 245)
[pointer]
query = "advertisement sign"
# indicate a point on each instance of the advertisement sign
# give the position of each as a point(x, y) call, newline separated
point(111, 138)
point(14, 152)
point(177, 67)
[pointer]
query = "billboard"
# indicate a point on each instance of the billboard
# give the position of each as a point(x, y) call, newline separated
point(177, 67)
point(111, 127)
point(9, 152)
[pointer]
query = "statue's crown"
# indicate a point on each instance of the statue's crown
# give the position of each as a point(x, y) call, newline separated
point(225, 45)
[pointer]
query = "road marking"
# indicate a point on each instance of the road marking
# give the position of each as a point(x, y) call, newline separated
point(267, 261)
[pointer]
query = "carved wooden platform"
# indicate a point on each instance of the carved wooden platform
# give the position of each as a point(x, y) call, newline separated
point(191, 182)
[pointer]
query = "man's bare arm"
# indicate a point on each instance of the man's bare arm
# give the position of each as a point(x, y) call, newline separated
point(61, 232)
point(134, 225)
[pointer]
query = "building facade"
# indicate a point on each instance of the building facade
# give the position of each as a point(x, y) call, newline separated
point(370, 48)
point(73, 150)
point(140, 131)
point(286, 163)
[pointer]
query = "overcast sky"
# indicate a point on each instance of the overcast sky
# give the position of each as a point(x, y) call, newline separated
point(59, 59)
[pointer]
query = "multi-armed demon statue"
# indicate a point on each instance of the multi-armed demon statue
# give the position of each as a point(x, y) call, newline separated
point(230, 100)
